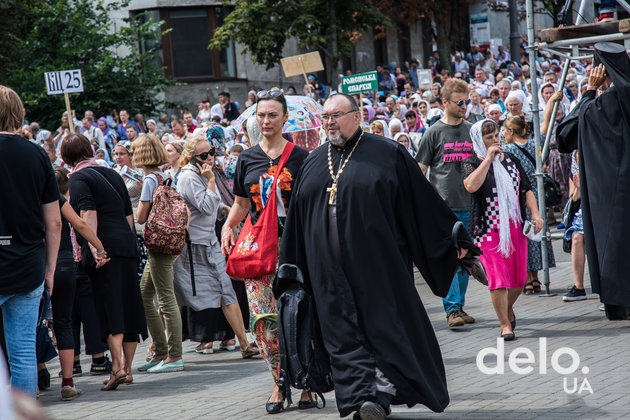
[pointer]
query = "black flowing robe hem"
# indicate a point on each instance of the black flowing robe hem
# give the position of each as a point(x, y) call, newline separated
point(599, 127)
point(389, 217)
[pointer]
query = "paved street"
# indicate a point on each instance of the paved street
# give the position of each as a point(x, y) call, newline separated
point(223, 386)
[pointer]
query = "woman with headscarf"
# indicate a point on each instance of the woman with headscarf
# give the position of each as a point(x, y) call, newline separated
point(423, 111)
point(501, 191)
point(368, 114)
point(405, 140)
point(110, 136)
point(395, 127)
point(380, 128)
point(558, 165)
point(251, 99)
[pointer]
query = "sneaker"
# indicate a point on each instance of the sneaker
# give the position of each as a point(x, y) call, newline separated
point(467, 318)
point(69, 393)
point(574, 294)
point(104, 368)
point(76, 371)
point(148, 365)
point(171, 367)
point(453, 319)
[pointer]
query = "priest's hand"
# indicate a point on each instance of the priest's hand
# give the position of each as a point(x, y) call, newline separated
point(597, 77)
point(461, 253)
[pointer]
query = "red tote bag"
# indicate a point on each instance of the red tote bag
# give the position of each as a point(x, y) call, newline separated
point(255, 253)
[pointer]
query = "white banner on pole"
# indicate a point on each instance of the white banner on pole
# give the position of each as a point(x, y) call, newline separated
point(64, 81)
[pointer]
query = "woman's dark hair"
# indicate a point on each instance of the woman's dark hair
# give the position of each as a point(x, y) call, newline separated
point(61, 174)
point(410, 114)
point(518, 125)
point(488, 127)
point(76, 148)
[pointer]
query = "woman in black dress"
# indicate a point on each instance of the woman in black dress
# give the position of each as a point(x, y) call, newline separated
point(99, 196)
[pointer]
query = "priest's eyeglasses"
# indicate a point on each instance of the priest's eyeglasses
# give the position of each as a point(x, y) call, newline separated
point(335, 116)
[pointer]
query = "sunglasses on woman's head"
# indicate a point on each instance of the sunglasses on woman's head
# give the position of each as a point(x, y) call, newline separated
point(204, 155)
point(266, 94)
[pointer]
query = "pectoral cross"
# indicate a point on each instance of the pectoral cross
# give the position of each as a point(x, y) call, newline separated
point(332, 190)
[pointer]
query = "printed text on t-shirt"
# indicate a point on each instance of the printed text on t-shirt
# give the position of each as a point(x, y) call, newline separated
point(457, 151)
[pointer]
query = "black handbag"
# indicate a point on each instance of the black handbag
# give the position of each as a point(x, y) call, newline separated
point(43, 344)
point(553, 194)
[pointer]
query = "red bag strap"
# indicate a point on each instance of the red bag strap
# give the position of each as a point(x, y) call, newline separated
point(283, 160)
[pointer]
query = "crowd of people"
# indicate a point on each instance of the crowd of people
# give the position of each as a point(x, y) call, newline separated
point(92, 190)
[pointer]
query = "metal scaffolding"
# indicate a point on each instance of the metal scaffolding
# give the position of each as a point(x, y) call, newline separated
point(552, 47)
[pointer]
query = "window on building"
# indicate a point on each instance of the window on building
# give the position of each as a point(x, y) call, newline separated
point(184, 49)
point(380, 48)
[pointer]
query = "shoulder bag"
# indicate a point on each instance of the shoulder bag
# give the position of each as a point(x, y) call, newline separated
point(255, 253)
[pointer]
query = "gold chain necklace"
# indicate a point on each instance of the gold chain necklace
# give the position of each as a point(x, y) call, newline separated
point(333, 188)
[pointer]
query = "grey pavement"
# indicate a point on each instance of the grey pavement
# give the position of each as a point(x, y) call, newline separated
point(223, 386)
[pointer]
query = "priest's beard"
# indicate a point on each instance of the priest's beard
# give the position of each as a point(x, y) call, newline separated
point(338, 140)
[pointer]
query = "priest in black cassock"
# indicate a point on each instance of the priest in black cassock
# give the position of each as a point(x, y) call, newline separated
point(599, 127)
point(361, 215)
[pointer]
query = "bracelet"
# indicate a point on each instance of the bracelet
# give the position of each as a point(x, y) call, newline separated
point(101, 252)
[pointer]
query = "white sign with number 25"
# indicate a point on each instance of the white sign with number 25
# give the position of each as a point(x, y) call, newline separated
point(65, 81)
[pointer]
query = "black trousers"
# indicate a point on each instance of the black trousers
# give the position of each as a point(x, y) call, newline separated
point(63, 302)
point(84, 313)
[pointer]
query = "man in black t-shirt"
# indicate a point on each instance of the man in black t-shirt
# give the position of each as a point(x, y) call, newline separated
point(30, 229)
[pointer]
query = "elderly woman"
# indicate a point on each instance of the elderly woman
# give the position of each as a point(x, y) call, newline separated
point(395, 127)
point(368, 114)
point(500, 188)
point(201, 283)
point(100, 197)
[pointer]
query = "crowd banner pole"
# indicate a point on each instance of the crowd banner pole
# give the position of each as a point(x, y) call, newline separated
point(303, 70)
point(70, 118)
point(531, 45)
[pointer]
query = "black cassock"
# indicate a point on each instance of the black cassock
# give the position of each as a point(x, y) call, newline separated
point(388, 218)
point(600, 129)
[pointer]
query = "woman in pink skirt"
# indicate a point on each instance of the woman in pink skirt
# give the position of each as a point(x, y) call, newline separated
point(501, 191)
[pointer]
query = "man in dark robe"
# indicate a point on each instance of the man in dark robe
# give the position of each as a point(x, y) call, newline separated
point(355, 237)
point(599, 127)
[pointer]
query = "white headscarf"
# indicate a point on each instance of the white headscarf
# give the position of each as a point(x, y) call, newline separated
point(396, 121)
point(520, 96)
point(386, 132)
point(509, 207)
point(253, 131)
point(409, 147)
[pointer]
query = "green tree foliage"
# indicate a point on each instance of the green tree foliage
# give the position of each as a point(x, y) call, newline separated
point(66, 34)
point(263, 26)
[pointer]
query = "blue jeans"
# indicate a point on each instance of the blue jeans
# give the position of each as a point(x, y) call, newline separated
point(20, 314)
point(457, 293)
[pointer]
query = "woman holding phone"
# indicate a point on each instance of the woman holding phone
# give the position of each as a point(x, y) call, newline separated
point(201, 282)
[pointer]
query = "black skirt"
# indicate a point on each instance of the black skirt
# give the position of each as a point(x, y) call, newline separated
point(117, 299)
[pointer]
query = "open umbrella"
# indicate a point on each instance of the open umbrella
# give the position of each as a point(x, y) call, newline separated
point(305, 119)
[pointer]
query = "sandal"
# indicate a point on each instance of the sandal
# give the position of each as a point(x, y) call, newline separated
point(528, 289)
point(250, 352)
point(115, 379)
point(536, 285)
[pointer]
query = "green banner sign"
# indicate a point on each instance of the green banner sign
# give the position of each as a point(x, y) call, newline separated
point(357, 83)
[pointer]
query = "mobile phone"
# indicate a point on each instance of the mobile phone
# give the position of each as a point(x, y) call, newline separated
point(195, 161)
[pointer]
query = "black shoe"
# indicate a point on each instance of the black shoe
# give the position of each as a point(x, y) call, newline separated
point(513, 323)
point(372, 411)
point(43, 379)
point(76, 371)
point(104, 368)
point(274, 407)
point(304, 405)
point(574, 294)
point(508, 336)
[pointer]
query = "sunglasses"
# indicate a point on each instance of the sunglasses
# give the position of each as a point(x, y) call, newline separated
point(269, 94)
point(204, 155)
point(462, 102)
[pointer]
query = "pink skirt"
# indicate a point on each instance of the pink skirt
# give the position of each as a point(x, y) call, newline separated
point(510, 272)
